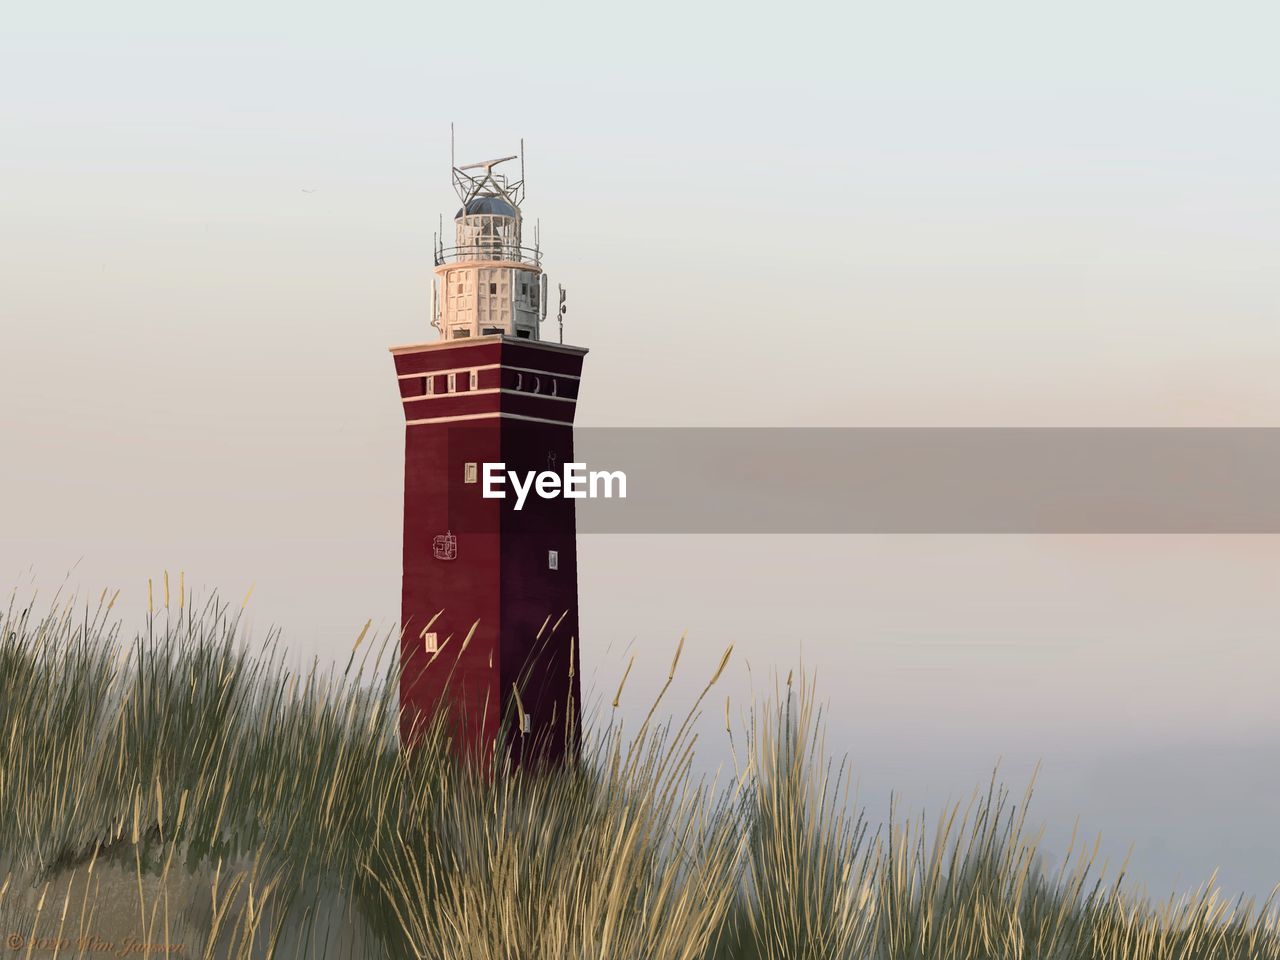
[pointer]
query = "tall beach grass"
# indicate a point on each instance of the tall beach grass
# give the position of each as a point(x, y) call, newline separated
point(191, 793)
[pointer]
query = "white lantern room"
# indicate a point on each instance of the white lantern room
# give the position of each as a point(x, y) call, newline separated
point(488, 283)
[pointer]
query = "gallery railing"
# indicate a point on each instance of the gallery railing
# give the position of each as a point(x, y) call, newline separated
point(488, 250)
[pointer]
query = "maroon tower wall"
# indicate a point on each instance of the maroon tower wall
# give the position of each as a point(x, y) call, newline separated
point(525, 613)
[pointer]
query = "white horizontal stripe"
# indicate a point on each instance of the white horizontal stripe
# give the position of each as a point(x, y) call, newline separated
point(487, 366)
point(490, 416)
point(521, 342)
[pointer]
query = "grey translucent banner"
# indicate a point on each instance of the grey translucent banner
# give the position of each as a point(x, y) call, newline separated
point(934, 480)
point(705, 480)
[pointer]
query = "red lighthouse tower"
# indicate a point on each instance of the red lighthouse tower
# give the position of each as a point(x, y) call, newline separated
point(489, 607)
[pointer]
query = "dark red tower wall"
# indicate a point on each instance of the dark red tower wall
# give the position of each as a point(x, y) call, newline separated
point(539, 651)
point(511, 401)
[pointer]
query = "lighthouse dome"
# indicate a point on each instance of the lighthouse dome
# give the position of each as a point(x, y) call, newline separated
point(486, 206)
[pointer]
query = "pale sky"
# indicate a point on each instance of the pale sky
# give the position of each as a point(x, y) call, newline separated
point(871, 214)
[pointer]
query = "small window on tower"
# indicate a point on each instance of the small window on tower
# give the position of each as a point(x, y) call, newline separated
point(553, 386)
point(453, 383)
point(473, 380)
point(493, 288)
point(524, 289)
point(519, 381)
point(526, 723)
point(431, 642)
point(469, 472)
point(553, 559)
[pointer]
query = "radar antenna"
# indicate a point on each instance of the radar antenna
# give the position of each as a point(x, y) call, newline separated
point(473, 180)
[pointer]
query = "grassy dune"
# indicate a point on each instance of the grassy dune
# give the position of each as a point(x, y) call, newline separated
point(174, 793)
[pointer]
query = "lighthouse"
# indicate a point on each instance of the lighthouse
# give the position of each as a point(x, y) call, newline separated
point(489, 602)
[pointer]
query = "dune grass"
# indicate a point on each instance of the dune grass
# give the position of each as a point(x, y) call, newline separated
point(178, 792)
